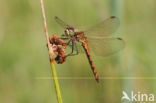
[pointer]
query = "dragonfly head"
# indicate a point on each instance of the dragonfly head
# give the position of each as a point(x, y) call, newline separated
point(69, 31)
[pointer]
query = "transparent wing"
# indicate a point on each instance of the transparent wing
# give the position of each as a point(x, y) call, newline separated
point(106, 46)
point(105, 28)
point(62, 23)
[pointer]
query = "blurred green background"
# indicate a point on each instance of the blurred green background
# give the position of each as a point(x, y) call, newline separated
point(24, 57)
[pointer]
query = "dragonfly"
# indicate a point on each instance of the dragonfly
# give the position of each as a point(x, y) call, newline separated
point(98, 38)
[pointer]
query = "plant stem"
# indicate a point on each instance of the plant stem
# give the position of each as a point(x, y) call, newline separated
point(51, 54)
point(59, 98)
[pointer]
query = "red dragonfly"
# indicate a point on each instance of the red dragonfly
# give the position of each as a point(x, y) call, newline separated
point(100, 39)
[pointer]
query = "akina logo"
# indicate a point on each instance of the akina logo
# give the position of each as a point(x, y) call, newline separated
point(137, 97)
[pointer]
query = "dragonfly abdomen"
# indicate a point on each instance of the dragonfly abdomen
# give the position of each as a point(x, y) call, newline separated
point(85, 46)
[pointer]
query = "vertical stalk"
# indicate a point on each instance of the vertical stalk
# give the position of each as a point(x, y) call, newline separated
point(51, 54)
point(58, 93)
point(118, 10)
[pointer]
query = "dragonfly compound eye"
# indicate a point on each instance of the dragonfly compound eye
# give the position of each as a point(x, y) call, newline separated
point(67, 31)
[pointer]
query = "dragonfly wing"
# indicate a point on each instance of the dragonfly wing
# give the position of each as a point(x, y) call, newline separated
point(106, 46)
point(62, 23)
point(105, 28)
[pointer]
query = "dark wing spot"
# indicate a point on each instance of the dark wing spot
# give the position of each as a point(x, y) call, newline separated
point(56, 17)
point(112, 17)
point(119, 38)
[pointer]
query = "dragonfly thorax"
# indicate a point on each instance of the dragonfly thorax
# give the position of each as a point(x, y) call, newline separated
point(80, 37)
point(75, 34)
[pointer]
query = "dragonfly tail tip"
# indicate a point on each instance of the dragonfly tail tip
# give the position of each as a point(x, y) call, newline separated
point(97, 79)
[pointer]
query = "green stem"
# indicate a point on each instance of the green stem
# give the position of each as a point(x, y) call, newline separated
point(57, 88)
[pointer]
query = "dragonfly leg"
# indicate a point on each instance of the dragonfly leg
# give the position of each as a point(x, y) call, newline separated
point(64, 38)
point(77, 51)
point(69, 42)
point(73, 45)
point(70, 54)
